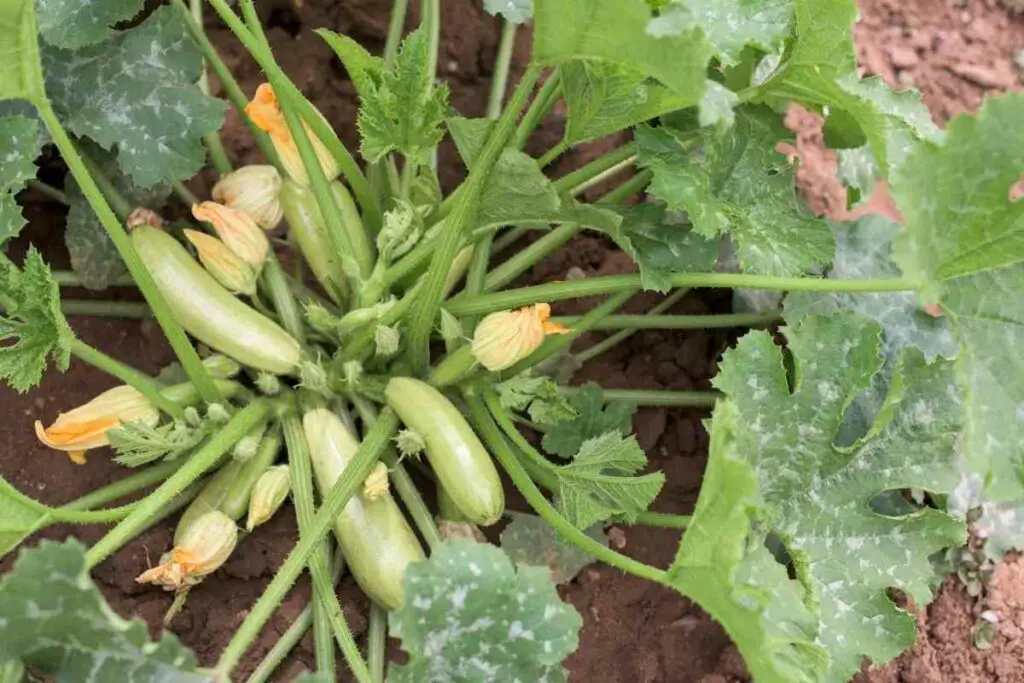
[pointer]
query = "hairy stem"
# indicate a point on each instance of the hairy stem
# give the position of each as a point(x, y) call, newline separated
point(501, 67)
point(376, 641)
point(123, 487)
point(214, 146)
point(558, 150)
point(142, 382)
point(680, 322)
point(282, 298)
point(133, 310)
point(539, 108)
point(669, 398)
point(399, 9)
point(621, 336)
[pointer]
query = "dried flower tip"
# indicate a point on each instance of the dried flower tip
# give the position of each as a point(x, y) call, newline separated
point(204, 547)
point(450, 530)
point(265, 113)
point(86, 426)
point(237, 276)
point(237, 230)
point(255, 190)
point(504, 338)
point(141, 216)
point(376, 485)
point(268, 495)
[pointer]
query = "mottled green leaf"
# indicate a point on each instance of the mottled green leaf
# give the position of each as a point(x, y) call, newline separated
point(20, 516)
point(21, 75)
point(73, 24)
point(137, 92)
point(661, 247)
point(857, 169)
point(862, 253)
point(537, 394)
point(717, 105)
point(470, 616)
point(469, 136)
point(616, 31)
point(1001, 524)
point(730, 25)
point(740, 185)
point(605, 97)
point(528, 539)
point(963, 243)
point(32, 320)
point(594, 419)
point(730, 573)
point(514, 11)
point(19, 147)
point(815, 496)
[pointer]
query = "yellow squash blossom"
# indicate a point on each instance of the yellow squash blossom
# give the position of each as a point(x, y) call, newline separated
point(376, 484)
point(504, 338)
point(204, 547)
point(268, 495)
point(236, 275)
point(237, 230)
point(85, 427)
point(264, 112)
point(255, 190)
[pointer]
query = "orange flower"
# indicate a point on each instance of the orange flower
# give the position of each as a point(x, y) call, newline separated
point(204, 547)
point(264, 112)
point(237, 276)
point(237, 230)
point(504, 338)
point(85, 427)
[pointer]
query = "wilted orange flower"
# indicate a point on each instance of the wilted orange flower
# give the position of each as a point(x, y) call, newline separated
point(237, 230)
point(504, 338)
point(264, 112)
point(204, 547)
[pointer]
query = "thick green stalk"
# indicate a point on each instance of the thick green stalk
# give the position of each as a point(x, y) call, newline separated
point(621, 336)
point(539, 108)
point(202, 460)
point(376, 641)
point(604, 175)
point(323, 587)
point(68, 278)
point(459, 222)
point(186, 354)
point(133, 310)
point(570, 181)
point(374, 443)
point(502, 64)
point(430, 19)
point(663, 520)
point(118, 202)
point(477, 274)
point(123, 487)
point(282, 299)
point(142, 382)
point(63, 514)
point(50, 191)
point(575, 289)
point(525, 258)
point(503, 452)
point(399, 8)
point(637, 183)
point(558, 150)
point(163, 512)
point(227, 80)
point(668, 398)
point(214, 146)
point(680, 322)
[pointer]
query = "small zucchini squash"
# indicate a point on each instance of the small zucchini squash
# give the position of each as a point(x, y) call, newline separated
point(462, 464)
point(374, 537)
point(209, 312)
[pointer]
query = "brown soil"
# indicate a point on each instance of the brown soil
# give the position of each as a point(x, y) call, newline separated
point(633, 631)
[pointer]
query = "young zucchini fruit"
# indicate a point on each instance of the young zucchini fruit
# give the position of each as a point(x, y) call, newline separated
point(209, 312)
point(462, 464)
point(374, 537)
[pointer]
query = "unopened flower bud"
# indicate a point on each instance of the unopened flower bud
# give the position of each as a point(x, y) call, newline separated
point(250, 443)
point(86, 426)
point(376, 484)
point(237, 230)
point(268, 383)
point(216, 412)
point(268, 495)
point(504, 338)
point(221, 367)
point(141, 216)
point(265, 113)
point(203, 547)
point(254, 190)
point(237, 276)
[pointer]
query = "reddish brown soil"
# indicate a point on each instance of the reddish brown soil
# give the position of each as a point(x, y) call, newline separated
point(633, 631)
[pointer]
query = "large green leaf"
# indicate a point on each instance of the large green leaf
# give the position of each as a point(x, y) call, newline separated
point(54, 619)
point(364, 70)
point(137, 92)
point(605, 97)
point(73, 24)
point(963, 242)
point(528, 539)
point(20, 516)
point(21, 75)
point(730, 25)
point(469, 616)
point(616, 31)
point(33, 320)
point(593, 418)
point(739, 185)
point(537, 394)
point(816, 496)
point(19, 147)
point(862, 252)
point(734, 578)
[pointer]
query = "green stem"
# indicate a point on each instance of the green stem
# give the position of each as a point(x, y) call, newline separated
point(123, 487)
point(680, 322)
point(107, 309)
point(355, 474)
point(558, 150)
point(281, 297)
point(501, 67)
point(575, 289)
point(325, 600)
point(184, 194)
point(539, 108)
point(376, 641)
point(554, 344)
point(163, 512)
point(430, 19)
point(637, 183)
point(502, 451)
point(399, 9)
point(68, 278)
point(669, 398)
point(214, 147)
point(227, 80)
point(603, 176)
point(585, 173)
point(525, 258)
point(459, 222)
point(293, 635)
point(476, 276)
point(63, 514)
point(510, 237)
point(142, 382)
point(619, 337)
point(50, 191)
point(201, 461)
point(186, 354)
point(121, 206)
point(662, 520)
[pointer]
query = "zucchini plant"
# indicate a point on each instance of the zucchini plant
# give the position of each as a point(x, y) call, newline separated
point(836, 444)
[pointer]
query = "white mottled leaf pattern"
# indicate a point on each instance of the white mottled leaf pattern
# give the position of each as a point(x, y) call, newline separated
point(73, 24)
point(19, 147)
